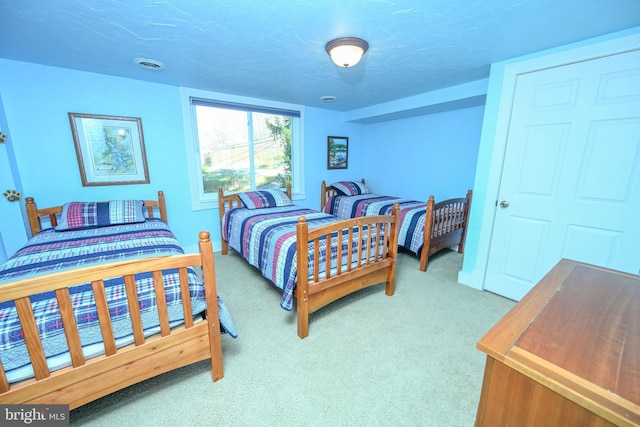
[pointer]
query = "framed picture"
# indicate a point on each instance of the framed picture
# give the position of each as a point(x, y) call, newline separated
point(110, 149)
point(337, 152)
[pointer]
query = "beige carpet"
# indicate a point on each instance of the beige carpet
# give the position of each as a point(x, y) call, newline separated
point(405, 360)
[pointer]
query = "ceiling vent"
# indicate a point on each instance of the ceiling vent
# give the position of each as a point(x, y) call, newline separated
point(149, 64)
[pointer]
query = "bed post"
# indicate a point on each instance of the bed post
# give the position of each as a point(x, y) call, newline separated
point(428, 232)
point(302, 285)
point(225, 248)
point(323, 195)
point(162, 206)
point(465, 219)
point(32, 214)
point(393, 250)
point(211, 295)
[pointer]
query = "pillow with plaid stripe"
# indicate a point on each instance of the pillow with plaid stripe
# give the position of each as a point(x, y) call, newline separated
point(264, 199)
point(77, 215)
point(350, 188)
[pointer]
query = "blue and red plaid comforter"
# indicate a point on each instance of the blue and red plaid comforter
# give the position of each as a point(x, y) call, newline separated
point(412, 214)
point(52, 251)
point(266, 238)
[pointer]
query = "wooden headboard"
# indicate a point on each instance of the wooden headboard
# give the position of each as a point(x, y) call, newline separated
point(229, 201)
point(34, 214)
point(327, 191)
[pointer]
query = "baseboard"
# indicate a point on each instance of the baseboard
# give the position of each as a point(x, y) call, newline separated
point(474, 279)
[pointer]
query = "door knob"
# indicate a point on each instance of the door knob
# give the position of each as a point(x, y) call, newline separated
point(504, 204)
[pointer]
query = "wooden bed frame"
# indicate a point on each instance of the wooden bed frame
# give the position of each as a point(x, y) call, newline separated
point(313, 291)
point(34, 214)
point(88, 380)
point(445, 226)
point(449, 229)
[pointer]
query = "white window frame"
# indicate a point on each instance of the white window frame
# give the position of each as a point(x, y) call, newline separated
point(200, 200)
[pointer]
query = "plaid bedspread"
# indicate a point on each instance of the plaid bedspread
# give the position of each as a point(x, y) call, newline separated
point(266, 238)
point(412, 214)
point(52, 251)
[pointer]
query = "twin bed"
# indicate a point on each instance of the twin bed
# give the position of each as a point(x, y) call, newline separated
point(424, 228)
point(312, 256)
point(104, 298)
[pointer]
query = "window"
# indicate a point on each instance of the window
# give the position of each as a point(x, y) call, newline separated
point(241, 146)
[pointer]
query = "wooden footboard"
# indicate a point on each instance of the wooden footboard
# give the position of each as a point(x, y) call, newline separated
point(445, 226)
point(315, 290)
point(90, 379)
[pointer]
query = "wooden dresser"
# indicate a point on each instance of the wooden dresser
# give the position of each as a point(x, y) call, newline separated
point(567, 354)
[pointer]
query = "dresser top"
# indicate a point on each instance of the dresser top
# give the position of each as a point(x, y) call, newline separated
point(578, 330)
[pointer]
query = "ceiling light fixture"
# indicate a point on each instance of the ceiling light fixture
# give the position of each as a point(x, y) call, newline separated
point(149, 64)
point(347, 51)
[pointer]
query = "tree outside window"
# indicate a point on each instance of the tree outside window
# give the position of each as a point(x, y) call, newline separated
point(243, 150)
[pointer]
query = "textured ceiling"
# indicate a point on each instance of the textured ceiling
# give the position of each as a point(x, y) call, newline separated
point(275, 49)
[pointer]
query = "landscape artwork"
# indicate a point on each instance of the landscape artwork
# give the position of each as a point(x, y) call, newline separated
point(337, 152)
point(110, 149)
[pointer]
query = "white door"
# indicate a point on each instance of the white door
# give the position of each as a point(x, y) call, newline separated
point(570, 185)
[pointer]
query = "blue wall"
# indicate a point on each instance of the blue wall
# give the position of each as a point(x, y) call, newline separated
point(319, 124)
point(13, 232)
point(38, 98)
point(426, 155)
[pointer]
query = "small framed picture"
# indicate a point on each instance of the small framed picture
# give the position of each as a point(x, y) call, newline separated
point(110, 149)
point(337, 152)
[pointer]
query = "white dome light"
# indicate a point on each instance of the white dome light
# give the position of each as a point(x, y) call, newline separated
point(347, 51)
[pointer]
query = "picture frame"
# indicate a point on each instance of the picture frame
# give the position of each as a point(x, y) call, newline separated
point(337, 152)
point(110, 149)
